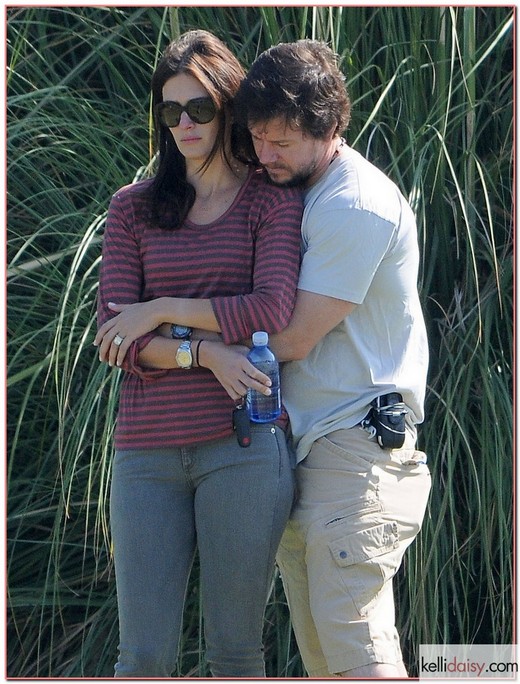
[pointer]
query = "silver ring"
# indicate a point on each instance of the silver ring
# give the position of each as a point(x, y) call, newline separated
point(118, 340)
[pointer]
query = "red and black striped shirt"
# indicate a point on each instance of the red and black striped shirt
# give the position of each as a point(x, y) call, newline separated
point(246, 262)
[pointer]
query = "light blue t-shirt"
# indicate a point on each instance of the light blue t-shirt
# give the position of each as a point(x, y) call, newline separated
point(359, 244)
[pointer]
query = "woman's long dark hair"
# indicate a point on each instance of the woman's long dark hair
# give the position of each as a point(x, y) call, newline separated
point(203, 56)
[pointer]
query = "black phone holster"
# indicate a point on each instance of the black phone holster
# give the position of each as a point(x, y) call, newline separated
point(387, 417)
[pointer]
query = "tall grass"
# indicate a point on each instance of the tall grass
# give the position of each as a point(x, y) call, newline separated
point(432, 106)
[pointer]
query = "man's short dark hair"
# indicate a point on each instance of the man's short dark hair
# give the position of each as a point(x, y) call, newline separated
point(299, 82)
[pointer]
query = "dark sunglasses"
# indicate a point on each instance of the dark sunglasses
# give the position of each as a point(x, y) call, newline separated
point(201, 110)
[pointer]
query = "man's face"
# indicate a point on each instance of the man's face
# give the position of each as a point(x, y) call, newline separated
point(289, 157)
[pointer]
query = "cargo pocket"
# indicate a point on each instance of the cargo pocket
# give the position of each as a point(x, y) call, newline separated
point(365, 562)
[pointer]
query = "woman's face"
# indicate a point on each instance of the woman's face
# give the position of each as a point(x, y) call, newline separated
point(194, 140)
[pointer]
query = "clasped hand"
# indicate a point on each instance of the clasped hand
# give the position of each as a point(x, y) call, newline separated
point(116, 335)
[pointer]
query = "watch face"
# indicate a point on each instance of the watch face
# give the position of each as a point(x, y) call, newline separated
point(184, 359)
point(180, 332)
point(183, 356)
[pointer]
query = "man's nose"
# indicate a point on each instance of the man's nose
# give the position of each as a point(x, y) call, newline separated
point(266, 153)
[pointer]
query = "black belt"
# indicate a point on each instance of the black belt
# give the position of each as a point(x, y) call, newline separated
point(387, 400)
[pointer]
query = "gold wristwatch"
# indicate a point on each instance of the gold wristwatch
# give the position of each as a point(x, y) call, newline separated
point(184, 356)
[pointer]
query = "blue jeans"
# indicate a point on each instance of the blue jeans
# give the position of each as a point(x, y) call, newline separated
point(230, 502)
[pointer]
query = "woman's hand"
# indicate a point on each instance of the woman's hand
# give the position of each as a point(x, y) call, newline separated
point(117, 334)
point(232, 369)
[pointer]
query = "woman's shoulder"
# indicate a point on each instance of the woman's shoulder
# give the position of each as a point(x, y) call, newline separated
point(137, 192)
point(264, 188)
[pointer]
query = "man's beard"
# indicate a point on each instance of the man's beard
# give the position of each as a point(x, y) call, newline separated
point(299, 179)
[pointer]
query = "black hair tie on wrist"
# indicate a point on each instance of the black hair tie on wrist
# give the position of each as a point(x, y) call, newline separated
point(197, 353)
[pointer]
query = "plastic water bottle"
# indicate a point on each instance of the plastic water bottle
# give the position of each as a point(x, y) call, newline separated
point(262, 408)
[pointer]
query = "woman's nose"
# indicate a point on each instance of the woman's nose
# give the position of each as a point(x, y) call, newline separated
point(185, 121)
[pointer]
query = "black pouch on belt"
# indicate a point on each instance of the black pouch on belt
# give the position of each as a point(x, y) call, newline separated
point(388, 419)
point(241, 425)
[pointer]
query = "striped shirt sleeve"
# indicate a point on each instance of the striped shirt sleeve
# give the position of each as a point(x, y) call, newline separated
point(276, 215)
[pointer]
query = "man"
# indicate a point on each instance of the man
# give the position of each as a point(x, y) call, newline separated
point(357, 337)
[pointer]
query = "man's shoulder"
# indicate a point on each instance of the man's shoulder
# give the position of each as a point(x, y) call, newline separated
point(355, 174)
point(355, 183)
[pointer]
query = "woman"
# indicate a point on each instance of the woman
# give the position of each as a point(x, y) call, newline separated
point(204, 228)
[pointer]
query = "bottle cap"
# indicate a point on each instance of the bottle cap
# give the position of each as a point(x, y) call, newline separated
point(260, 338)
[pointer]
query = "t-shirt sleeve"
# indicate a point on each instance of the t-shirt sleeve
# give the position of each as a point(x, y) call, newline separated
point(342, 249)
